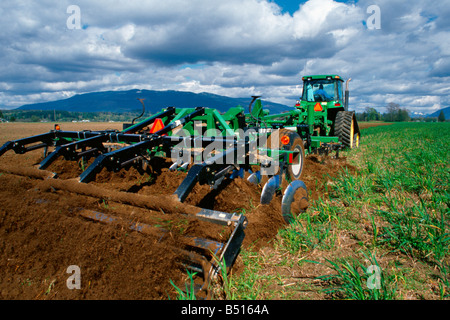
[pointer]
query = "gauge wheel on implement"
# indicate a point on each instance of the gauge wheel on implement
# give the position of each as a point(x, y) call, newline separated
point(295, 196)
point(292, 141)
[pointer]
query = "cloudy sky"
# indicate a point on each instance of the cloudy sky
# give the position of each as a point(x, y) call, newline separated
point(394, 51)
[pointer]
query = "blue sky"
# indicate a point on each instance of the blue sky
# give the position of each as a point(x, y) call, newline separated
point(236, 48)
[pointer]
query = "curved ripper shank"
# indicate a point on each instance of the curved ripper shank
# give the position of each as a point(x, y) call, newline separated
point(211, 171)
point(117, 159)
point(69, 150)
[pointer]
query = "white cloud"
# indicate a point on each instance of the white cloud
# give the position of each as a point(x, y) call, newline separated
point(316, 17)
point(234, 48)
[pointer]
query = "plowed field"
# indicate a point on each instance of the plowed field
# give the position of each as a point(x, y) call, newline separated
point(42, 232)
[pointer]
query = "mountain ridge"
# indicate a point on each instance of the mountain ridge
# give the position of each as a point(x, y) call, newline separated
point(154, 100)
point(436, 113)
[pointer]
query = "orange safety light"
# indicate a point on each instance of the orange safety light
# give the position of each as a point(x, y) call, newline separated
point(157, 125)
point(318, 107)
point(285, 140)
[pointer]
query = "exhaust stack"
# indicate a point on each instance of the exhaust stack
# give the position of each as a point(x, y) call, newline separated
point(346, 95)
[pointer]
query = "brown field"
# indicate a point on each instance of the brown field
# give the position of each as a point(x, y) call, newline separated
point(43, 234)
point(364, 125)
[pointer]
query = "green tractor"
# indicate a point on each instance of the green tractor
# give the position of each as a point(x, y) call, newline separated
point(320, 122)
point(320, 117)
point(323, 95)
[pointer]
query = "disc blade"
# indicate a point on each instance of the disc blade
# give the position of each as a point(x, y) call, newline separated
point(269, 189)
point(288, 198)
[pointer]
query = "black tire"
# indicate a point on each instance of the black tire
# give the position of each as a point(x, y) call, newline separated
point(294, 169)
point(346, 129)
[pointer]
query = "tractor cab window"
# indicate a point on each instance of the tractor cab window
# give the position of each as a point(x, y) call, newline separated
point(339, 91)
point(321, 90)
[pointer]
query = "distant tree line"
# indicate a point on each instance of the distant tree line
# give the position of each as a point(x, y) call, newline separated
point(394, 114)
point(65, 116)
point(370, 114)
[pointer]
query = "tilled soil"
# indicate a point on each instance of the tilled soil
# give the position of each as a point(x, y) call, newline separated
point(43, 233)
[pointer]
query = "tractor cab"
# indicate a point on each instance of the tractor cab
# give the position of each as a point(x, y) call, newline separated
point(325, 90)
point(324, 108)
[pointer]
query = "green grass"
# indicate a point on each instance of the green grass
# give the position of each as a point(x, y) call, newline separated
point(353, 280)
point(409, 167)
point(252, 284)
point(305, 234)
point(396, 204)
point(415, 232)
point(188, 293)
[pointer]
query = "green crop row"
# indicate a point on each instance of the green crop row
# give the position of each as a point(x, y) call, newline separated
point(380, 232)
point(393, 209)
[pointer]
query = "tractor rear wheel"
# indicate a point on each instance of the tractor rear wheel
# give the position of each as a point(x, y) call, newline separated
point(345, 128)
